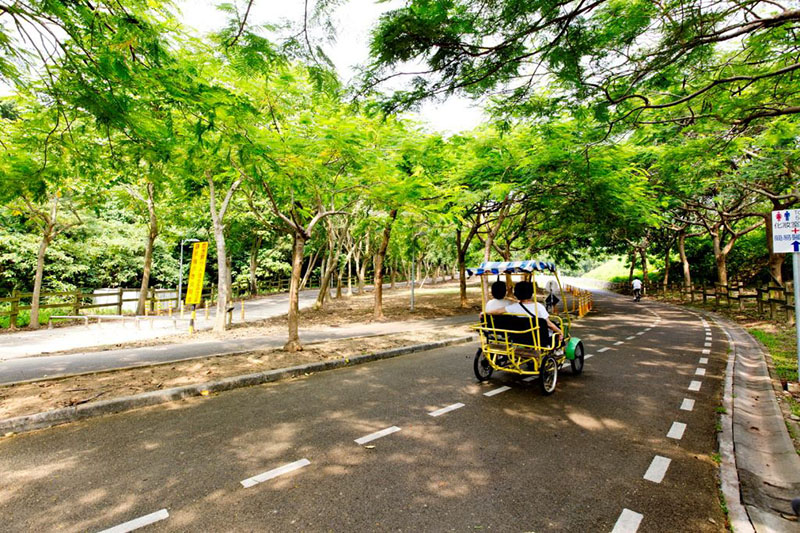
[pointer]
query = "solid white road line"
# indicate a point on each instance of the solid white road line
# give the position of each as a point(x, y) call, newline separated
point(601, 350)
point(687, 404)
point(694, 386)
point(676, 431)
point(497, 391)
point(618, 343)
point(630, 338)
point(447, 409)
point(706, 351)
point(136, 523)
point(628, 522)
point(658, 469)
point(700, 372)
point(378, 434)
point(275, 472)
point(704, 360)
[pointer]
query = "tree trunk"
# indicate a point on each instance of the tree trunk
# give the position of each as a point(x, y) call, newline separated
point(632, 257)
point(687, 275)
point(293, 343)
point(775, 263)
point(349, 277)
point(339, 276)
point(645, 279)
point(379, 257)
point(37, 282)
point(309, 269)
point(325, 281)
point(223, 274)
point(394, 274)
point(152, 233)
point(254, 265)
point(47, 237)
point(720, 259)
point(462, 270)
point(665, 281)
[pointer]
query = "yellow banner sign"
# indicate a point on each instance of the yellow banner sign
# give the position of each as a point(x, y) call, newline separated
point(194, 293)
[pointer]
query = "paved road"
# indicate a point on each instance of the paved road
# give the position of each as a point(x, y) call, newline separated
point(512, 461)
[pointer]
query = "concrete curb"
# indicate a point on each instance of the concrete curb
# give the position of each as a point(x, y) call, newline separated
point(45, 419)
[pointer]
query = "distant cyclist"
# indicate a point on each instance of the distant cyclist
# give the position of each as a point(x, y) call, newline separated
point(637, 289)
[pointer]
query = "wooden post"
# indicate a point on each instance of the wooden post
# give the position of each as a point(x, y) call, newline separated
point(705, 296)
point(760, 300)
point(76, 302)
point(12, 318)
point(739, 291)
point(152, 305)
point(120, 294)
point(770, 291)
point(242, 317)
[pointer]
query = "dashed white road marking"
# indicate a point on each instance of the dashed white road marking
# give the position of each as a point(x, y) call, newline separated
point(709, 339)
point(704, 360)
point(496, 391)
point(529, 378)
point(588, 355)
point(676, 431)
point(275, 472)
point(601, 350)
point(707, 345)
point(648, 329)
point(628, 522)
point(640, 333)
point(136, 523)
point(700, 372)
point(378, 434)
point(618, 343)
point(687, 404)
point(447, 409)
point(694, 386)
point(630, 338)
point(706, 351)
point(658, 469)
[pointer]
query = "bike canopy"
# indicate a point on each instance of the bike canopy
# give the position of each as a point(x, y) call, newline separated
point(511, 267)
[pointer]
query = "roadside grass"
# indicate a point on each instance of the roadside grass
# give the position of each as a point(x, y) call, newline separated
point(781, 345)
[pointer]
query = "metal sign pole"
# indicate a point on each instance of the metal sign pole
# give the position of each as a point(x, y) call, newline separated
point(796, 283)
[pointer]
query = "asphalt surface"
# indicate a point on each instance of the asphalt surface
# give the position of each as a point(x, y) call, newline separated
point(513, 461)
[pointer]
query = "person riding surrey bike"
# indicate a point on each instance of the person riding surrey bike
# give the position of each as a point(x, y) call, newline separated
point(524, 293)
point(637, 289)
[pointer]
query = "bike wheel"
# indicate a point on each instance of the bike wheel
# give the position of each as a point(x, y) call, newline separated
point(483, 370)
point(577, 363)
point(548, 375)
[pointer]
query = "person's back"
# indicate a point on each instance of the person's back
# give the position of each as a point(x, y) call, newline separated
point(637, 289)
point(499, 302)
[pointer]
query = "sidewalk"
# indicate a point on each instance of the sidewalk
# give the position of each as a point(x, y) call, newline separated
point(49, 366)
point(766, 461)
point(27, 343)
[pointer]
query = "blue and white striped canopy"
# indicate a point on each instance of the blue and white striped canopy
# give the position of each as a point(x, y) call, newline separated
point(511, 267)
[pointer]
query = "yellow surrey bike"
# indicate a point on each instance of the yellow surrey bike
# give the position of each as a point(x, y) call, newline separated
point(523, 344)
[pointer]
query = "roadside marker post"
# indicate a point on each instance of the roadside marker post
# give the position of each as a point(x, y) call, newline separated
point(786, 240)
point(197, 271)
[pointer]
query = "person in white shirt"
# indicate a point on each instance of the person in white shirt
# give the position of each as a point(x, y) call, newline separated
point(636, 284)
point(527, 307)
point(497, 305)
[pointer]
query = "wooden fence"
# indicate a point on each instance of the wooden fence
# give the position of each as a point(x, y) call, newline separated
point(768, 300)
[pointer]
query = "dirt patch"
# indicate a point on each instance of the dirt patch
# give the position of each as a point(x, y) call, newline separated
point(28, 398)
